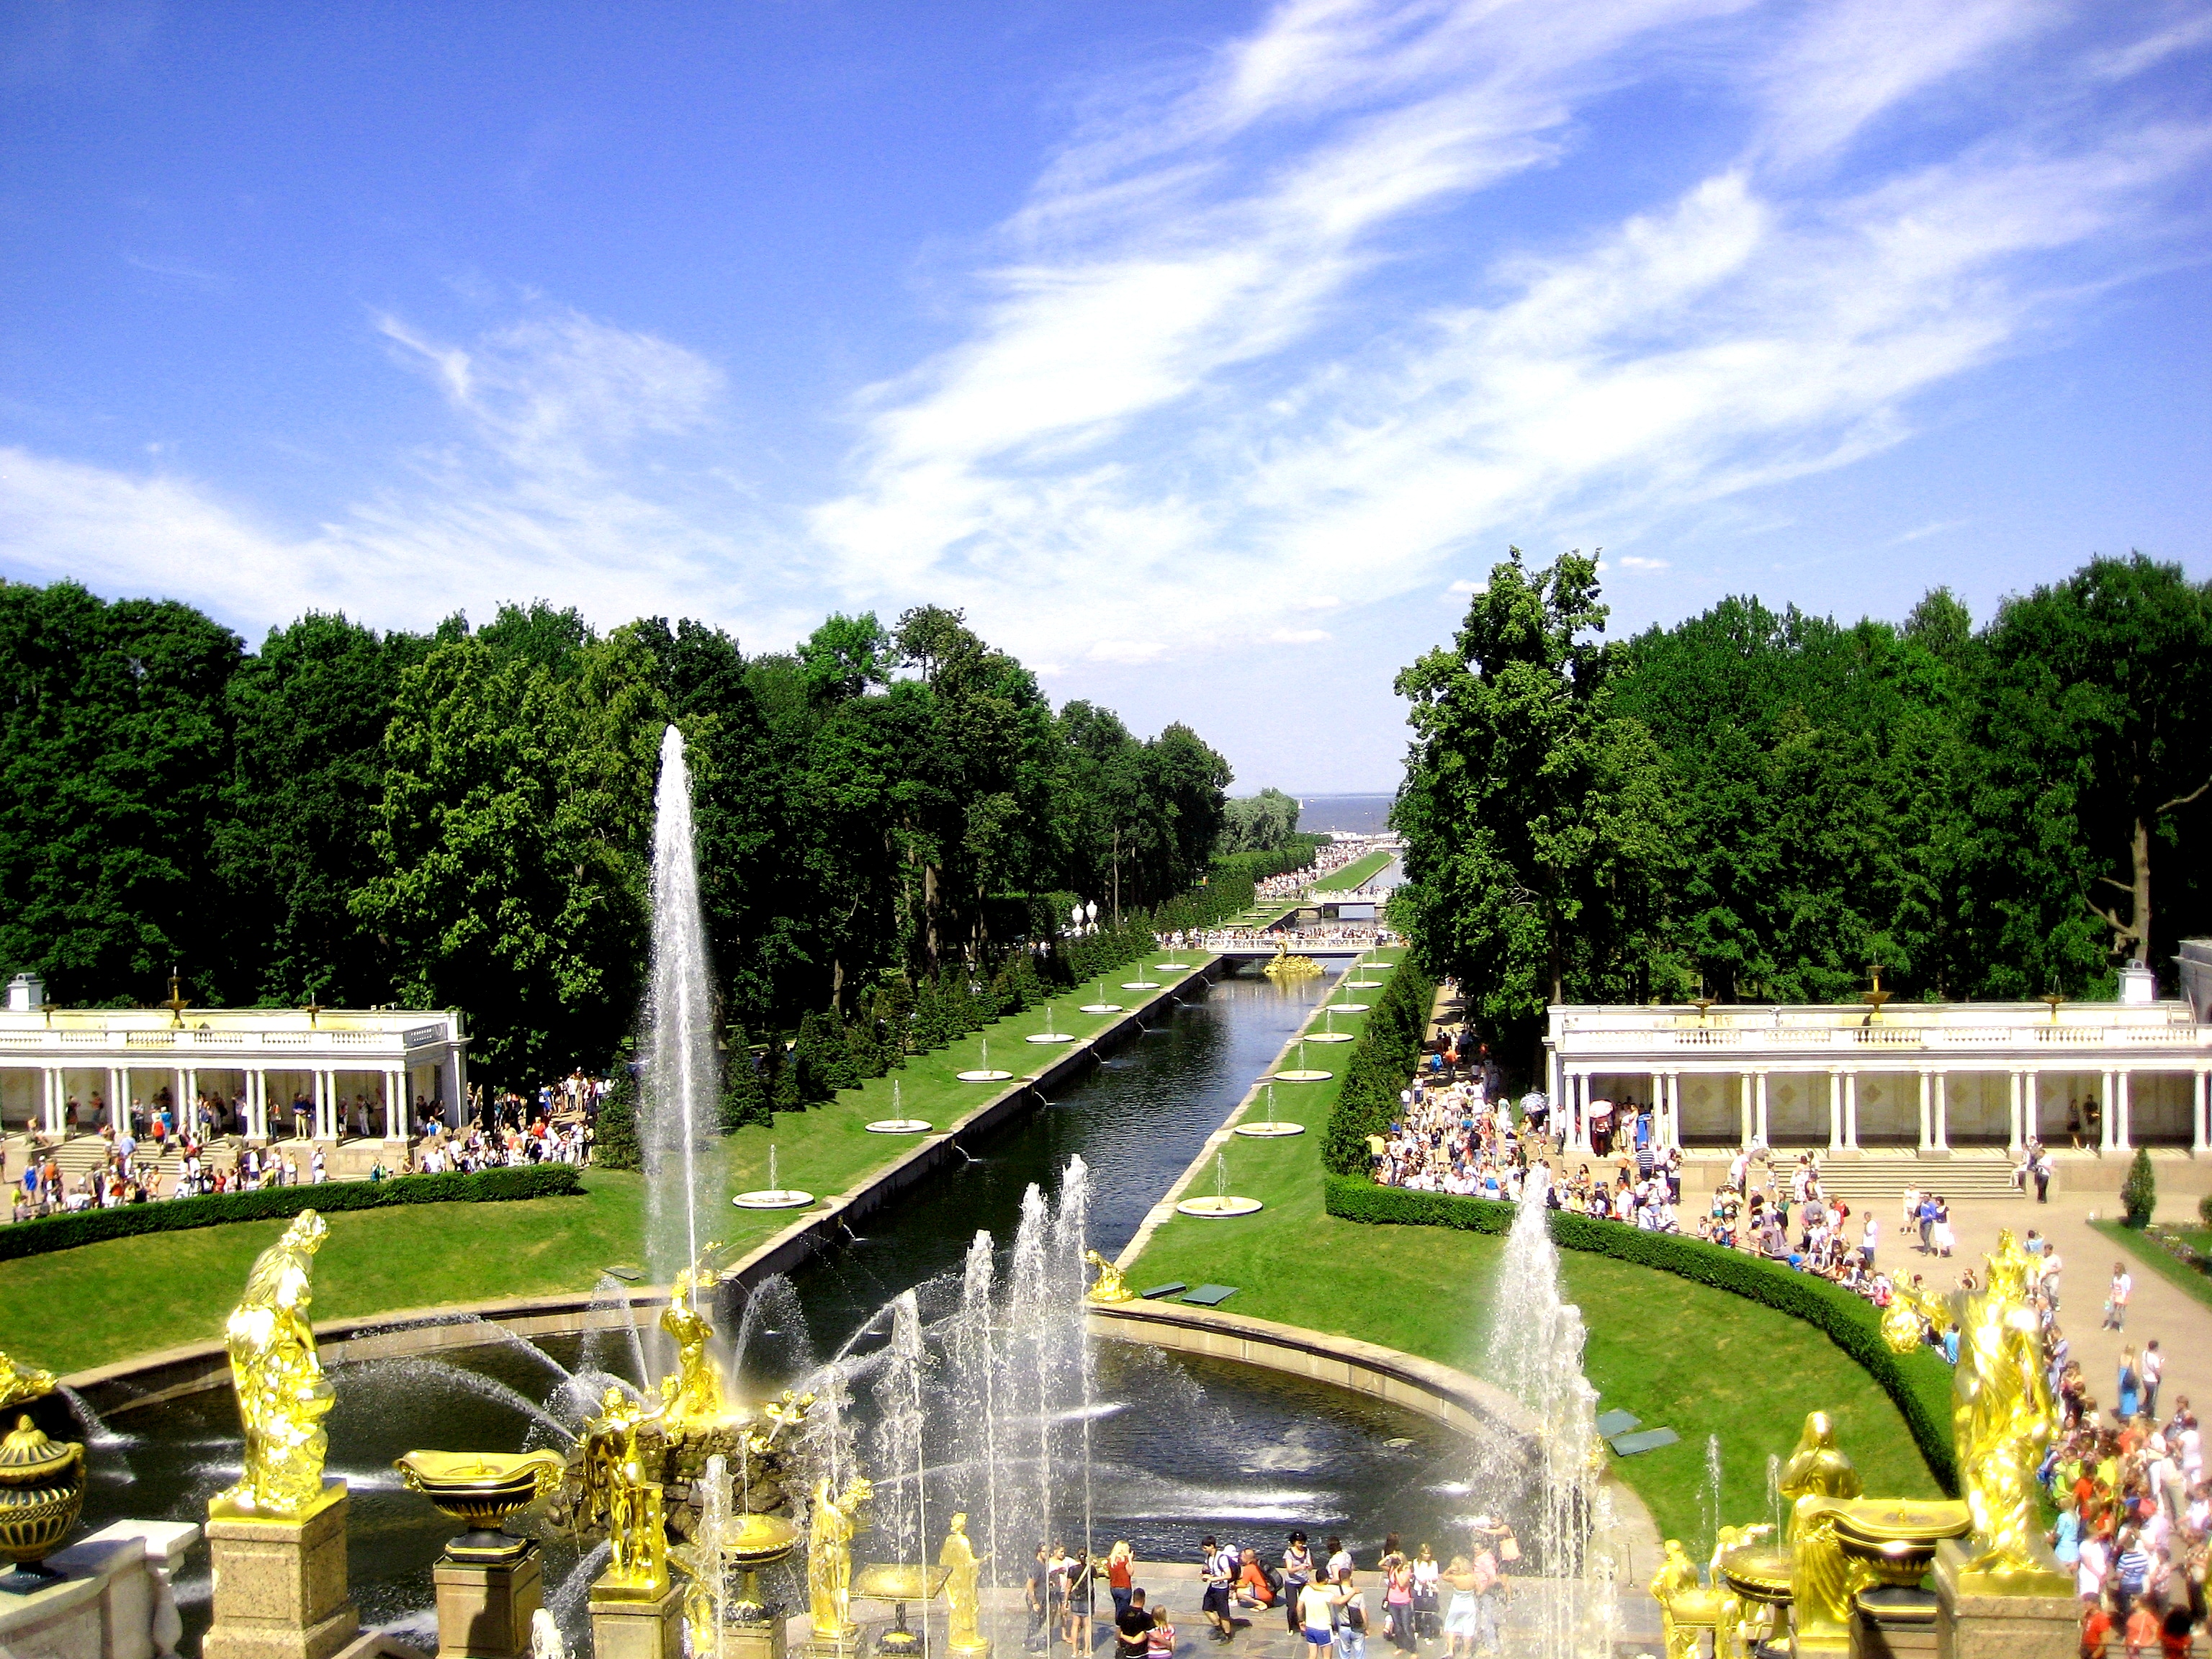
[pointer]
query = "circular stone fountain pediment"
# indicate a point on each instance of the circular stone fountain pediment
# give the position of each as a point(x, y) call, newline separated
point(787, 1198)
point(1329, 1036)
point(1140, 985)
point(898, 1126)
point(1100, 1008)
point(1170, 967)
point(1304, 1075)
point(1346, 1007)
point(1049, 1037)
point(1359, 985)
point(1270, 1129)
point(1217, 1209)
point(984, 1077)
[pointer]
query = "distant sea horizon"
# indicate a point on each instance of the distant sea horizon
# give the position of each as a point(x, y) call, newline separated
point(1350, 815)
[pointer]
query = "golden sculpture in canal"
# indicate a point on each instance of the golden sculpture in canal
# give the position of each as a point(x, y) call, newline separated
point(833, 1520)
point(1110, 1285)
point(963, 1597)
point(282, 1393)
point(2002, 1417)
point(617, 1495)
point(21, 1383)
point(694, 1393)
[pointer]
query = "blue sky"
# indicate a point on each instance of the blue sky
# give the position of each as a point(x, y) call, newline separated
point(1205, 354)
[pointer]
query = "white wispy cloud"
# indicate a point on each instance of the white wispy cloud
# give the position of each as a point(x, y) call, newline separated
point(1184, 393)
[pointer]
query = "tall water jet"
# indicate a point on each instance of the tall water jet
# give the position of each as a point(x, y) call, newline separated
point(1535, 1353)
point(971, 1344)
point(679, 1079)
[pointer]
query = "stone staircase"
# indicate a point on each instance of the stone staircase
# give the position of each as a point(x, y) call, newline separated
point(1873, 1178)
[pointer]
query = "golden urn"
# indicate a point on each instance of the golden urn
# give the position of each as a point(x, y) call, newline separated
point(482, 1489)
point(41, 1491)
point(1896, 1538)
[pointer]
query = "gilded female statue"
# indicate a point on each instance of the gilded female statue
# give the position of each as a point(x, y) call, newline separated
point(617, 1495)
point(1818, 1477)
point(831, 1524)
point(963, 1600)
point(694, 1392)
point(1686, 1605)
point(282, 1394)
point(2002, 1417)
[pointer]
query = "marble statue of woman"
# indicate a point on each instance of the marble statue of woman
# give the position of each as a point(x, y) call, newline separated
point(282, 1394)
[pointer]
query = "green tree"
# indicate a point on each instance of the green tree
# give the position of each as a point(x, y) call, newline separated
point(1259, 823)
point(744, 1099)
point(2139, 1194)
point(1533, 817)
point(614, 1135)
point(2100, 720)
point(513, 844)
point(114, 746)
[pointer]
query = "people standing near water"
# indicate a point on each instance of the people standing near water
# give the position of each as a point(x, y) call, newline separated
point(1316, 1605)
point(1297, 1573)
point(1121, 1576)
point(1220, 1567)
point(1133, 1624)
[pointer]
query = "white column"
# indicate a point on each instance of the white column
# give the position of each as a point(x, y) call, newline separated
point(1851, 1111)
point(1926, 1140)
point(57, 1096)
point(2014, 1138)
point(1555, 1086)
point(1835, 1110)
point(2107, 1113)
point(2200, 1133)
point(1578, 1094)
point(118, 1097)
point(1942, 1114)
point(1743, 1108)
point(1758, 1097)
point(398, 1108)
point(1674, 1110)
point(2122, 1114)
point(325, 1089)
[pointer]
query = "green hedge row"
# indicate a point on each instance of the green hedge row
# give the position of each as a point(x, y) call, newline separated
point(66, 1232)
point(1919, 1382)
point(1389, 1049)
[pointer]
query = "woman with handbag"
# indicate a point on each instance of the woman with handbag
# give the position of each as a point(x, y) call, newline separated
point(1428, 1619)
point(1398, 1602)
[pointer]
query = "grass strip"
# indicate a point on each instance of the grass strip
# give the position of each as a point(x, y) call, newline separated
point(2141, 1244)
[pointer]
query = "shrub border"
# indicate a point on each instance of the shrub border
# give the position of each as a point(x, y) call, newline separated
point(66, 1232)
point(1918, 1385)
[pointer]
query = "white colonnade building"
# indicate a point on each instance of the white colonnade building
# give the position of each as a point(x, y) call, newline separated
point(1926, 1079)
point(266, 1058)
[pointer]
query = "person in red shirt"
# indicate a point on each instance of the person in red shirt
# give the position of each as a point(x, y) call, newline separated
point(2096, 1627)
point(2142, 1630)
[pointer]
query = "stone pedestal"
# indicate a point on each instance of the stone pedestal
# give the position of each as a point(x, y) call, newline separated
point(1893, 1624)
point(1981, 1616)
point(638, 1629)
point(484, 1607)
point(279, 1585)
point(820, 1646)
point(762, 1641)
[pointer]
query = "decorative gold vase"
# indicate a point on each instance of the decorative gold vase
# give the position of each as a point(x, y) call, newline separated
point(482, 1489)
point(1896, 1538)
point(41, 1491)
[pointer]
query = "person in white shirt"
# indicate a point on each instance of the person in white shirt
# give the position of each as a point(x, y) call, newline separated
point(2115, 1299)
point(2148, 1369)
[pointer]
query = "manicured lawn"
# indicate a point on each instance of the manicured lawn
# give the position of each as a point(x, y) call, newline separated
point(1693, 1359)
point(1359, 870)
point(2166, 1266)
point(76, 1309)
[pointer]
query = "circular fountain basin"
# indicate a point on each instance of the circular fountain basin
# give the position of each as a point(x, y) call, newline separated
point(777, 1197)
point(1330, 1036)
point(1305, 1075)
point(1217, 1209)
point(1100, 1008)
point(1170, 967)
point(1140, 985)
point(1345, 1007)
point(1051, 1036)
point(984, 1077)
point(1359, 985)
point(898, 1126)
point(1270, 1130)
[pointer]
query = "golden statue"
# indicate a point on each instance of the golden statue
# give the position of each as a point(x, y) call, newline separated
point(282, 1394)
point(1110, 1287)
point(2003, 1416)
point(834, 1518)
point(1686, 1605)
point(775, 1417)
point(963, 1599)
point(1818, 1469)
point(1284, 965)
point(617, 1495)
point(693, 1393)
point(21, 1382)
point(1911, 1314)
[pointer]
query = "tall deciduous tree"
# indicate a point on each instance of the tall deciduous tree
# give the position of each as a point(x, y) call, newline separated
point(1532, 815)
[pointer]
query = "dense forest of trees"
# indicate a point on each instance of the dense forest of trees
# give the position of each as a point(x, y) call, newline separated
point(463, 817)
point(1764, 804)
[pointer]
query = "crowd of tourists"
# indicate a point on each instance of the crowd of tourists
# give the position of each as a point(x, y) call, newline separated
point(1329, 859)
point(151, 1157)
point(1409, 1599)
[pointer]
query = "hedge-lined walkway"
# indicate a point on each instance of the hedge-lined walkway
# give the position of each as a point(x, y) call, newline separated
point(1677, 1353)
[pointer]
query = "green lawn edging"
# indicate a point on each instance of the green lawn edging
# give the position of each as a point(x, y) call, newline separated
point(1918, 1385)
point(66, 1232)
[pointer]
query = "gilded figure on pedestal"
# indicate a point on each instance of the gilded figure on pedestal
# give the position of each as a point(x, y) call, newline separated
point(694, 1392)
point(832, 1522)
point(617, 1495)
point(1110, 1285)
point(963, 1599)
point(1818, 1477)
point(282, 1393)
point(2004, 1416)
